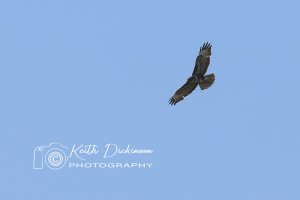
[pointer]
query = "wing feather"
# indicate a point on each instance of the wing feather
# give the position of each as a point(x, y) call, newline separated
point(203, 60)
point(184, 90)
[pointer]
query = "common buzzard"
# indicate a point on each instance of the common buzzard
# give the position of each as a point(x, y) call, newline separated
point(198, 77)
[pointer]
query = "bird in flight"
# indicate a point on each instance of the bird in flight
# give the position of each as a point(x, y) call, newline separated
point(198, 77)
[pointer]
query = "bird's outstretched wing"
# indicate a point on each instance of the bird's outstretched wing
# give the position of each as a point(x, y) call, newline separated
point(202, 60)
point(184, 91)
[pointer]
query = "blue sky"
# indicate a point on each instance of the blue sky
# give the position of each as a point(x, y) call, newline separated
point(98, 72)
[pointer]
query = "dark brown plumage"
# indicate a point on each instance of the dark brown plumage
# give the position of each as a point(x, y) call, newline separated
point(198, 77)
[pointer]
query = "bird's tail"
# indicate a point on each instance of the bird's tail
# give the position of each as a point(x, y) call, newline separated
point(207, 82)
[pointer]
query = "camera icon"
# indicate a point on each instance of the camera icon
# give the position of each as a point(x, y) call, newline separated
point(53, 156)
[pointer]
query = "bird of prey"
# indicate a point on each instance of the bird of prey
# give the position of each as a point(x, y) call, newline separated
point(198, 77)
